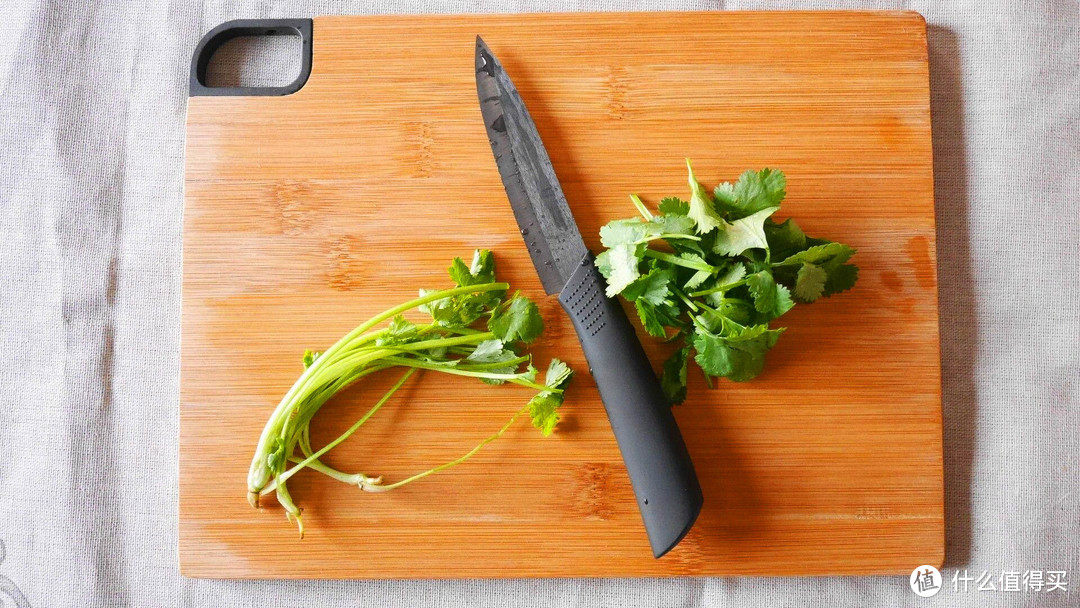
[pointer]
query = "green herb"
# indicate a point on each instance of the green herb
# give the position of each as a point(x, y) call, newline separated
point(451, 343)
point(711, 273)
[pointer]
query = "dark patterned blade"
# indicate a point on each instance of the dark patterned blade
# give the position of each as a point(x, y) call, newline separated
point(531, 185)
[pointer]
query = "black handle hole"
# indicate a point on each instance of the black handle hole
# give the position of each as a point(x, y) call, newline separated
point(270, 60)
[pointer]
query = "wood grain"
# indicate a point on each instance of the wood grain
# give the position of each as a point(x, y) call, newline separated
point(309, 213)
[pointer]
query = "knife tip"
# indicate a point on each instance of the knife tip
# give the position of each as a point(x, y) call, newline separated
point(484, 58)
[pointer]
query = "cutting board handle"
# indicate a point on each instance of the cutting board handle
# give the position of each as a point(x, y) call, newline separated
point(225, 32)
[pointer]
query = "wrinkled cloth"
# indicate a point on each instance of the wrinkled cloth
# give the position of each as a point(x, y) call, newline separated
point(92, 113)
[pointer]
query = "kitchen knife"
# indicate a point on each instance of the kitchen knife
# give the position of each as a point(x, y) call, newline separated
point(665, 484)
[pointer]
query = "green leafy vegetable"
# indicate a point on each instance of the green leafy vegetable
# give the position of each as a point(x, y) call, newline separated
point(674, 205)
point(770, 298)
point(516, 319)
point(673, 380)
point(619, 265)
point(544, 407)
point(702, 209)
point(448, 344)
point(714, 271)
point(756, 191)
point(810, 282)
point(744, 233)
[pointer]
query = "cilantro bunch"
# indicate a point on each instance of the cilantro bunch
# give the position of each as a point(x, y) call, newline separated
point(711, 273)
point(476, 330)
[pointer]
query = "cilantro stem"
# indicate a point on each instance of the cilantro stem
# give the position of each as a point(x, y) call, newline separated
point(689, 303)
point(495, 364)
point(514, 378)
point(678, 261)
point(667, 236)
point(320, 467)
point(718, 288)
point(701, 325)
point(444, 345)
point(317, 399)
point(709, 308)
point(441, 342)
point(375, 487)
point(292, 512)
point(352, 479)
point(258, 474)
point(642, 209)
point(352, 429)
point(411, 304)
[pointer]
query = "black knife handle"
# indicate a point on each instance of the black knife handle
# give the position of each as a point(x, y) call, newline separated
point(666, 486)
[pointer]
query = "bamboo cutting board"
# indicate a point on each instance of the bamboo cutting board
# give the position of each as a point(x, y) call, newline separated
point(308, 213)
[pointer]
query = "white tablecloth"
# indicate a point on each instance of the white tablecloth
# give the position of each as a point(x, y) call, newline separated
point(92, 105)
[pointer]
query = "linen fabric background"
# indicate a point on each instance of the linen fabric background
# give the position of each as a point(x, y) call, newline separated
point(93, 97)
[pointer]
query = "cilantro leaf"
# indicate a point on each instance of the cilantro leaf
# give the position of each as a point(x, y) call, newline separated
point(784, 239)
point(810, 282)
point(544, 406)
point(730, 277)
point(757, 190)
point(655, 317)
point(769, 298)
point(619, 265)
point(673, 205)
point(673, 380)
point(650, 319)
point(740, 356)
point(653, 287)
point(443, 311)
point(702, 209)
point(842, 277)
point(674, 225)
point(701, 275)
point(463, 309)
point(459, 272)
point(399, 331)
point(819, 270)
point(516, 319)
point(737, 310)
point(818, 254)
point(697, 279)
point(700, 246)
point(673, 217)
point(483, 266)
point(492, 352)
point(544, 412)
point(558, 374)
point(744, 233)
point(725, 196)
point(763, 288)
point(480, 271)
point(621, 232)
point(530, 373)
point(734, 275)
point(784, 302)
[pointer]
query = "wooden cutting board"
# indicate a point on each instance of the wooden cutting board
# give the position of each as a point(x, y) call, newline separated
point(308, 213)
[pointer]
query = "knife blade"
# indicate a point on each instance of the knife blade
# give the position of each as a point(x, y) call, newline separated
point(665, 484)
